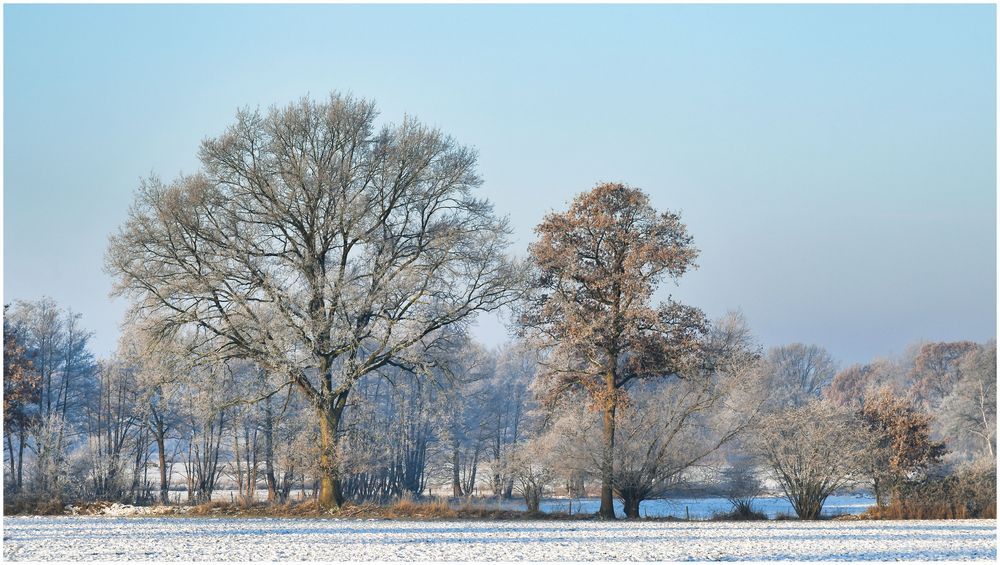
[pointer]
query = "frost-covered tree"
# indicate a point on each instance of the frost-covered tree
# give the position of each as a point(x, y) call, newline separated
point(741, 484)
point(390, 433)
point(116, 442)
point(465, 425)
point(508, 409)
point(677, 423)
point(670, 426)
point(532, 469)
point(812, 450)
point(206, 414)
point(968, 412)
point(935, 369)
point(57, 346)
point(318, 246)
point(799, 374)
point(597, 266)
point(850, 386)
point(161, 382)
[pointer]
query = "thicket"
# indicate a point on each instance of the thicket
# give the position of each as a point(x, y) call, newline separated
point(968, 492)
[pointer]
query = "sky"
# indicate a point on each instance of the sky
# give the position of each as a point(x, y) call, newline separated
point(836, 165)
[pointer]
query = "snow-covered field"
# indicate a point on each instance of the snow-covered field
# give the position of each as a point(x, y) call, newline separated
point(97, 538)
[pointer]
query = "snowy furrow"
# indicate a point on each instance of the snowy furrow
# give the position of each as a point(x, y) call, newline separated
point(225, 539)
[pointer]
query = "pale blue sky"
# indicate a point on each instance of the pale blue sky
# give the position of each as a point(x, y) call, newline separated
point(835, 164)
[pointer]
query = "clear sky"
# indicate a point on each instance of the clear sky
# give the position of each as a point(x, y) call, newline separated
point(835, 164)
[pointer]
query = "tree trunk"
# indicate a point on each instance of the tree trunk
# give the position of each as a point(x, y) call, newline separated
point(330, 489)
point(631, 501)
point(497, 482)
point(286, 485)
point(10, 449)
point(607, 461)
point(470, 482)
point(20, 459)
point(13, 463)
point(533, 498)
point(161, 454)
point(456, 479)
point(272, 483)
point(808, 505)
point(239, 462)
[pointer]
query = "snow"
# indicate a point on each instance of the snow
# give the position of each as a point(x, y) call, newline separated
point(257, 539)
point(119, 509)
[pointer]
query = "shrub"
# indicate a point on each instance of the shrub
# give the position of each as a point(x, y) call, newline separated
point(741, 487)
point(741, 513)
point(970, 492)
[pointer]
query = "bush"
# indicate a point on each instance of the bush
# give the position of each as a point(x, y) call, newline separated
point(742, 513)
point(970, 492)
point(742, 486)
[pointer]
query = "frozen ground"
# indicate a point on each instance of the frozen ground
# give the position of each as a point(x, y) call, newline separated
point(94, 538)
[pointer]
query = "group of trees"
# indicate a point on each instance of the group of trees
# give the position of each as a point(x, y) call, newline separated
point(152, 420)
point(48, 385)
point(299, 316)
point(888, 426)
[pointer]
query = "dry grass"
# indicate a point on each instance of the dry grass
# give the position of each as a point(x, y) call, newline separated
point(33, 506)
point(213, 507)
point(440, 508)
point(406, 507)
point(925, 511)
point(259, 509)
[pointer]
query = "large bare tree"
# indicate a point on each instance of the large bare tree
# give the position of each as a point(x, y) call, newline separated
point(318, 246)
point(598, 265)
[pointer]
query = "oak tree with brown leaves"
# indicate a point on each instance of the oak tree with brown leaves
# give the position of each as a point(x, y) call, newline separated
point(898, 442)
point(598, 264)
point(21, 388)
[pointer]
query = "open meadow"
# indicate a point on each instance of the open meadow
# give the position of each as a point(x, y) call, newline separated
point(224, 539)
